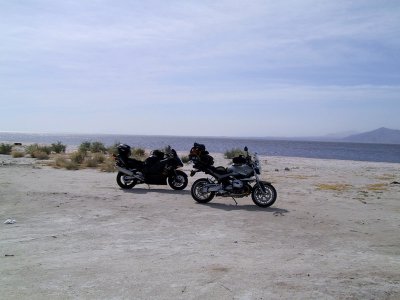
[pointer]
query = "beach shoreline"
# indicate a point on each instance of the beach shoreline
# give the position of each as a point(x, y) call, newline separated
point(332, 234)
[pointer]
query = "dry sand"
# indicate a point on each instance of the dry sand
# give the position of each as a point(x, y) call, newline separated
point(334, 233)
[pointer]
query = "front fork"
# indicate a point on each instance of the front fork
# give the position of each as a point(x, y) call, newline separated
point(258, 182)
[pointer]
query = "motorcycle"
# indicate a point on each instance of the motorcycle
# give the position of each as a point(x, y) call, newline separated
point(233, 181)
point(159, 169)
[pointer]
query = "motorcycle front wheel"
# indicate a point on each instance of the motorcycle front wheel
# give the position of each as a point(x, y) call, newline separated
point(178, 181)
point(263, 194)
point(197, 192)
point(125, 181)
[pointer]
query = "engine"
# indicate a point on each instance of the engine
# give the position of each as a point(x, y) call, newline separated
point(236, 188)
point(234, 185)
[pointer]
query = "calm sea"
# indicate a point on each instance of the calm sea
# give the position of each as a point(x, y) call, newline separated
point(328, 150)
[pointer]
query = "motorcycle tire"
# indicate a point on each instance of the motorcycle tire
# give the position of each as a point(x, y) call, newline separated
point(198, 195)
point(178, 181)
point(125, 183)
point(263, 194)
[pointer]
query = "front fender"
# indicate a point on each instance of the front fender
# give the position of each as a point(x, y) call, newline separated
point(179, 172)
point(266, 182)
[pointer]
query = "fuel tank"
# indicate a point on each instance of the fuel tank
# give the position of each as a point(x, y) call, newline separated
point(243, 170)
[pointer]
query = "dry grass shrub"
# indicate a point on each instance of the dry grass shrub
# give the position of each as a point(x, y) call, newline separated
point(94, 160)
point(77, 157)
point(386, 177)
point(39, 154)
point(78, 160)
point(90, 163)
point(64, 162)
point(301, 177)
point(377, 187)
point(99, 157)
point(70, 165)
point(59, 162)
point(17, 154)
point(108, 165)
point(338, 187)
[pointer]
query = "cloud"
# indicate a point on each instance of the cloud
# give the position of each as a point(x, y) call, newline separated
point(60, 55)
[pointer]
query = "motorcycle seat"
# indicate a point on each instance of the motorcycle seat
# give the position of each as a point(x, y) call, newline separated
point(220, 170)
point(133, 163)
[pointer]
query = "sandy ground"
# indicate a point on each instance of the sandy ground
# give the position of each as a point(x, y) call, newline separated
point(334, 233)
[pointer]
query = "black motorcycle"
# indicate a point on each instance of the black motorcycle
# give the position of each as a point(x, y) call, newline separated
point(159, 169)
point(233, 181)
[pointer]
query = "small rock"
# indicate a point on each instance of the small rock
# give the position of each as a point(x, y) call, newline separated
point(276, 170)
point(287, 169)
point(9, 221)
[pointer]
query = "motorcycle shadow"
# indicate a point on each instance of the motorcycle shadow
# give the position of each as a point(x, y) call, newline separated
point(229, 207)
point(143, 190)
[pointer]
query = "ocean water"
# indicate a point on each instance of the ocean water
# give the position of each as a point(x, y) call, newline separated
point(310, 149)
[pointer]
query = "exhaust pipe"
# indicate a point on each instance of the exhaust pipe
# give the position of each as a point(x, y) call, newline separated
point(125, 171)
point(211, 188)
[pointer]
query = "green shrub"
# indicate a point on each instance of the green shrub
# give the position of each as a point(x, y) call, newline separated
point(35, 148)
point(96, 147)
point(138, 152)
point(233, 153)
point(84, 147)
point(5, 148)
point(17, 154)
point(58, 147)
point(185, 159)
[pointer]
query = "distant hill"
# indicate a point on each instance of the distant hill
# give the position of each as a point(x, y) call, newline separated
point(380, 136)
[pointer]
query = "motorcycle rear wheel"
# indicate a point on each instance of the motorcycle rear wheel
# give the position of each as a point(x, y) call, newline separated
point(198, 195)
point(263, 194)
point(124, 181)
point(178, 181)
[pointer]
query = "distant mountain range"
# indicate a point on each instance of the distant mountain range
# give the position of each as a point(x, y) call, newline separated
point(379, 136)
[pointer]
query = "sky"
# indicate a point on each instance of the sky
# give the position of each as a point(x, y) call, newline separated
point(272, 68)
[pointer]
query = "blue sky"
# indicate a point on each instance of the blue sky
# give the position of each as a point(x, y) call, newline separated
point(230, 68)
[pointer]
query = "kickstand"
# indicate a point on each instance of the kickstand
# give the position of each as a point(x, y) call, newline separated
point(235, 201)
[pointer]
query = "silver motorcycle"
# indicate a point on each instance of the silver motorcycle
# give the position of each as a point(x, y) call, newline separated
point(234, 181)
